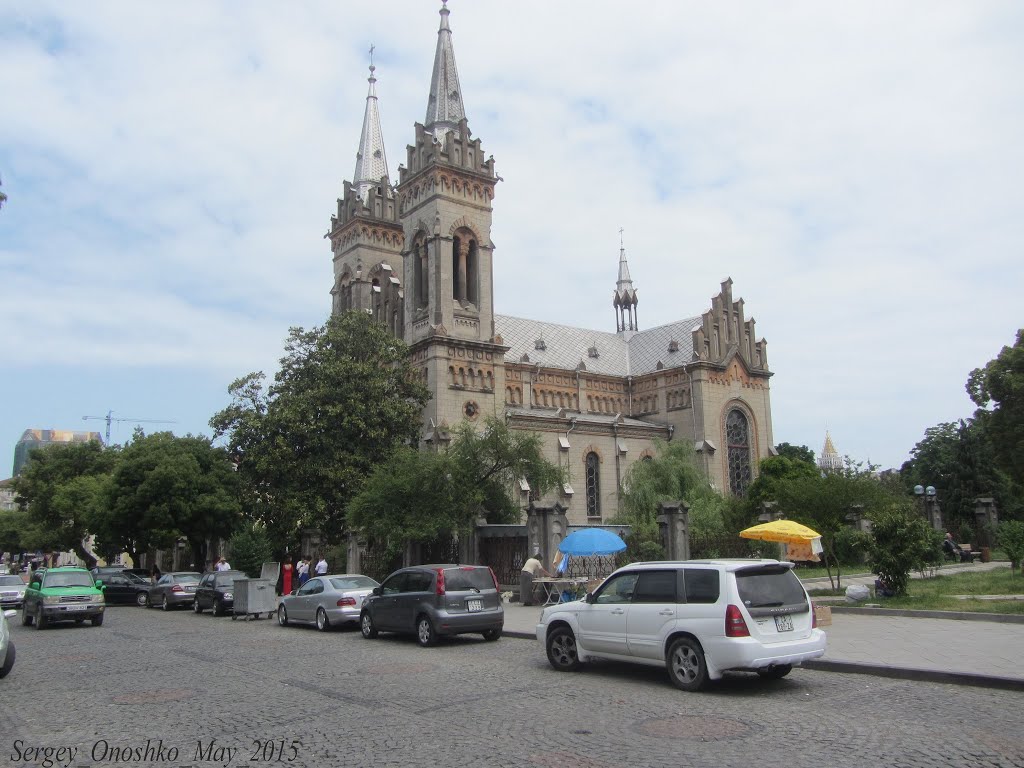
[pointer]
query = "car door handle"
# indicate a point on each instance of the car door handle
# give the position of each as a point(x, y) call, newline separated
point(666, 613)
point(617, 611)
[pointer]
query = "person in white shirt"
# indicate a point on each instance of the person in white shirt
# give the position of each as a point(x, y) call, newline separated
point(321, 567)
point(223, 565)
point(303, 570)
point(532, 568)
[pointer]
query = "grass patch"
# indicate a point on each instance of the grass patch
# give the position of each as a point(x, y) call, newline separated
point(936, 594)
point(819, 572)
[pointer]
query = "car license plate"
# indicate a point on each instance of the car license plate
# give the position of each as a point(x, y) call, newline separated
point(784, 623)
point(76, 607)
point(475, 605)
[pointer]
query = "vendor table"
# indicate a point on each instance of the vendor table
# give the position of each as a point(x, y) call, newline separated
point(555, 586)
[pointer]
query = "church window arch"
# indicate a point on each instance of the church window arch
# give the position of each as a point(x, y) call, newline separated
point(737, 434)
point(420, 278)
point(451, 375)
point(593, 480)
point(465, 267)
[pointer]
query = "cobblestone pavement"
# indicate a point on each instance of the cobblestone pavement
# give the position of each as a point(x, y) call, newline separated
point(179, 681)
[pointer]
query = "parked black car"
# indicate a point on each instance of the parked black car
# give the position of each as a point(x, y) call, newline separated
point(216, 590)
point(430, 601)
point(121, 586)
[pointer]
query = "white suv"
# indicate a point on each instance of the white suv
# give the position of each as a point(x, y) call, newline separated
point(699, 618)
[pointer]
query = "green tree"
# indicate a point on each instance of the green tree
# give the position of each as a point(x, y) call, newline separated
point(344, 397)
point(998, 391)
point(795, 452)
point(1010, 537)
point(166, 487)
point(901, 541)
point(774, 472)
point(672, 474)
point(62, 487)
point(250, 548)
point(419, 495)
point(13, 524)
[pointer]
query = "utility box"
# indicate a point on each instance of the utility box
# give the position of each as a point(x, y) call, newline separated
point(254, 597)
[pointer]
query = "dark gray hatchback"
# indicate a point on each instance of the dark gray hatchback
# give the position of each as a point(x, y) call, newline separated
point(431, 601)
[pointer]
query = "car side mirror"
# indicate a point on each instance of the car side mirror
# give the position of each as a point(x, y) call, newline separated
point(99, 584)
point(589, 598)
point(376, 591)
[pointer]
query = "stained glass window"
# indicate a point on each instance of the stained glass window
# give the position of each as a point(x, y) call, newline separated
point(737, 436)
point(593, 485)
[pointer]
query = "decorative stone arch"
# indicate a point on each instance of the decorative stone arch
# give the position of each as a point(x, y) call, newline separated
point(739, 438)
point(419, 253)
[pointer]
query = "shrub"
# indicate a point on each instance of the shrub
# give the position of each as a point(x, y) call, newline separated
point(1010, 537)
point(902, 542)
point(250, 548)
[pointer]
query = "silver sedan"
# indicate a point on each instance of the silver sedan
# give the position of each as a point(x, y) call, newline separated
point(326, 601)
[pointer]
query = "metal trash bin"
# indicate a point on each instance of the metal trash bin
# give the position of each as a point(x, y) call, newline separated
point(253, 597)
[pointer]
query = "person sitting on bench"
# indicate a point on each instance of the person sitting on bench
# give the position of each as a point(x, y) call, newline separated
point(954, 551)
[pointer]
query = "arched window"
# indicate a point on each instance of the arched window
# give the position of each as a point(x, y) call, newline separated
point(421, 281)
point(593, 485)
point(464, 268)
point(737, 436)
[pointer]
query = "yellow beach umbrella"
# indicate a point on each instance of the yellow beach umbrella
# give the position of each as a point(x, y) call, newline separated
point(784, 531)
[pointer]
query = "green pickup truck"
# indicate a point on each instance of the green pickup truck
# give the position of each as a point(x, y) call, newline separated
point(62, 594)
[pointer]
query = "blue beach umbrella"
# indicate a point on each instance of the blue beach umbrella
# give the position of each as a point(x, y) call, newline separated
point(592, 541)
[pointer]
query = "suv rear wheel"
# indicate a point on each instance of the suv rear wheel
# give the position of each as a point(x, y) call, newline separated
point(561, 648)
point(492, 634)
point(687, 668)
point(426, 636)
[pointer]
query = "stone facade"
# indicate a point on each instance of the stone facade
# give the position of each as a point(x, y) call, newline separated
point(418, 256)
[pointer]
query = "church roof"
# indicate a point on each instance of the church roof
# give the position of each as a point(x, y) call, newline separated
point(444, 106)
point(587, 418)
point(564, 346)
point(371, 162)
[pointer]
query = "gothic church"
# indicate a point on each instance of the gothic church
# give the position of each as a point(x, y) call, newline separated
point(417, 255)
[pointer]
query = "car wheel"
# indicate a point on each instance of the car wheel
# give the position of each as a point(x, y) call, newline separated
point(322, 622)
point(687, 668)
point(366, 626)
point(561, 647)
point(492, 634)
point(26, 617)
point(149, 603)
point(426, 636)
point(164, 605)
point(141, 599)
point(218, 608)
point(775, 672)
point(8, 662)
point(97, 620)
point(40, 618)
point(282, 616)
point(195, 607)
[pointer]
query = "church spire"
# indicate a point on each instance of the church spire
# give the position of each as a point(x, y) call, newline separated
point(444, 107)
point(625, 299)
point(371, 162)
point(830, 460)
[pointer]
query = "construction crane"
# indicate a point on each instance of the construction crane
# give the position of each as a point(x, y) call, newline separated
point(110, 418)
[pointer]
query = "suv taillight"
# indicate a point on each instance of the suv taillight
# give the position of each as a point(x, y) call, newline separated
point(735, 626)
point(494, 578)
point(346, 601)
point(440, 581)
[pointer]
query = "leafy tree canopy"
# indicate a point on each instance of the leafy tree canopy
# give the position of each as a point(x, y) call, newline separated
point(167, 487)
point(62, 488)
point(998, 391)
point(344, 398)
point(774, 472)
point(796, 452)
point(420, 495)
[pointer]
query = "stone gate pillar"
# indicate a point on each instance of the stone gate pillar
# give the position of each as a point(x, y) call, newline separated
point(986, 517)
point(674, 522)
point(545, 529)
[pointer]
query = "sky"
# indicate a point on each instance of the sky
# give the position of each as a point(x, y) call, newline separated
point(855, 168)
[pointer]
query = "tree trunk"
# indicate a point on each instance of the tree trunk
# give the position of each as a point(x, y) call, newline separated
point(87, 558)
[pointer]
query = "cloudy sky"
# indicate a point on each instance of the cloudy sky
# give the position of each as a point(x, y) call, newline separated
point(854, 167)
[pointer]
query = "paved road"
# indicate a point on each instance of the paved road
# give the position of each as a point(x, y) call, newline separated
point(189, 680)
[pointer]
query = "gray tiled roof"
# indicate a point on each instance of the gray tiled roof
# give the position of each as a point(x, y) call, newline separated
point(591, 418)
point(566, 347)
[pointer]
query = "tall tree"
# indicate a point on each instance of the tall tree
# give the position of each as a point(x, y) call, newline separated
point(345, 397)
point(165, 487)
point(419, 495)
point(998, 391)
point(795, 452)
point(62, 488)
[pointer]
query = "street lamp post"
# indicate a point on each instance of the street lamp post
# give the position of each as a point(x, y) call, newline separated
point(929, 501)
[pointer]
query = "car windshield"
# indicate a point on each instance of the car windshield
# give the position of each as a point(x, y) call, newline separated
point(771, 586)
point(68, 579)
point(226, 579)
point(466, 579)
point(11, 581)
point(353, 582)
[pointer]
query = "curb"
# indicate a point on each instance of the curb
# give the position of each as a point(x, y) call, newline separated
point(907, 613)
point(916, 675)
